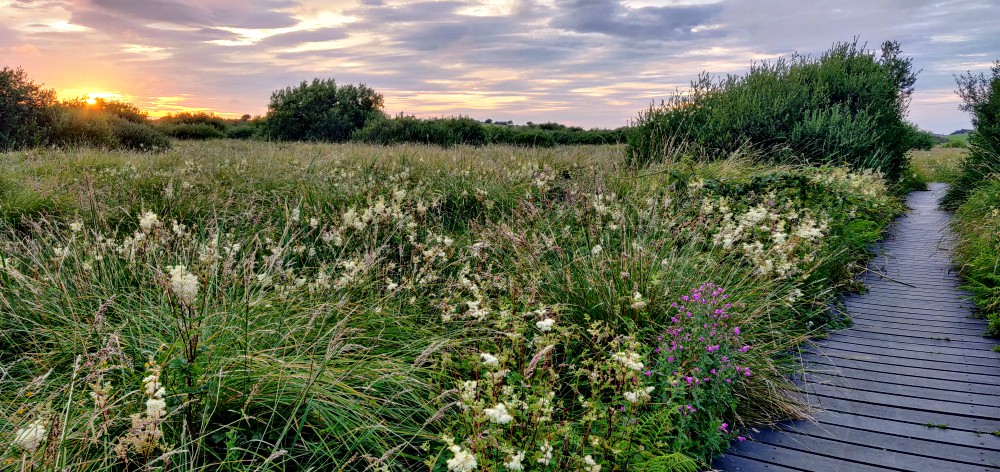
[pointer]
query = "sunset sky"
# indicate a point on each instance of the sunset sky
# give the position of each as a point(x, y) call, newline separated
point(584, 62)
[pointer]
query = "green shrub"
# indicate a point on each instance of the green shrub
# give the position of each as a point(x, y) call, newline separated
point(199, 118)
point(243, 131)
point(138, 137)
point(194, 131)
point(981, 97)
point(25, 110)
point(82, 127)
point(844, 107)
point(321, 111)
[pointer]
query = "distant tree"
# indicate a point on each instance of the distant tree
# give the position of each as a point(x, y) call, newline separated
point(124, 110)
point(245, 118)
point(26, 110)
point(980, 95)
point(321, 111)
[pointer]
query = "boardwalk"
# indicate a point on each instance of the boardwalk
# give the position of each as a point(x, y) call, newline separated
point(912, 385)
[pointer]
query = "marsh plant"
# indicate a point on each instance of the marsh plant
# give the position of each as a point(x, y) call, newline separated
point(245, 305)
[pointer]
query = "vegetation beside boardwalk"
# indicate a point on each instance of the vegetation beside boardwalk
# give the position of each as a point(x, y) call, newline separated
point(445, 307)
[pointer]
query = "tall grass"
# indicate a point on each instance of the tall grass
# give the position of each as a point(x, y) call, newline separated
point(349, 307)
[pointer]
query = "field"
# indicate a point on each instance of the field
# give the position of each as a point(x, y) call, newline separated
point(251, 305)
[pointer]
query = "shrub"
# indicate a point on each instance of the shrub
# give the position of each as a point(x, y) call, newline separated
point(199, 118)
point(321, 111)
point(844, 107)
point(25, 110)
point(139, 137)
point(82, 127)
point(194, 131)
point(242, 132)
point(981, 97)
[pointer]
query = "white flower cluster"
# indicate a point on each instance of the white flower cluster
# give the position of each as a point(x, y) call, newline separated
point(590, 465)
point(30, 436)
point(184, 284)
point(630, 359)
point(148, 221)
point(462, 461)
point(498, 414)
point(156, 406)
point(545, 325)
point(639, 395)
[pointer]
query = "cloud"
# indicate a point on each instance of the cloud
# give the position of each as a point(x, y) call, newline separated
point(583, 62)
point(612, 18)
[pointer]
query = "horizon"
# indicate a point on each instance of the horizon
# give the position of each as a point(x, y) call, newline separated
point(593, 64)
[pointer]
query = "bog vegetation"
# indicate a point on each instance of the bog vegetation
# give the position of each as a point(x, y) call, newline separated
point(469, 297)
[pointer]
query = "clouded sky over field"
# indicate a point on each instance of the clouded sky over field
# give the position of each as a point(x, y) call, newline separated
point(583, 62)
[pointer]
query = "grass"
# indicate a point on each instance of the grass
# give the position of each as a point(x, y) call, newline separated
point(936, 425)
point(977, 223)
point(248, 305)
point(940, 164)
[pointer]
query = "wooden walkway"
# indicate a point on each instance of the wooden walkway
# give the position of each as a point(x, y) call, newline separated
point(912, 385)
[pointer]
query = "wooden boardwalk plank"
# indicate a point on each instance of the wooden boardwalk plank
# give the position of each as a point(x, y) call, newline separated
point(914, 356)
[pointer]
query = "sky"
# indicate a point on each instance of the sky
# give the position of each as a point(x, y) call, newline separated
point(590, 63)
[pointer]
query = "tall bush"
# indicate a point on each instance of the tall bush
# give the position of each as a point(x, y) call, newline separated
point(25, 110)
point(845, 107)
point(321, 111)
point(981, 98)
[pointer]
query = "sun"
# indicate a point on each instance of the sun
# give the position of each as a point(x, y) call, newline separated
point(91, 100)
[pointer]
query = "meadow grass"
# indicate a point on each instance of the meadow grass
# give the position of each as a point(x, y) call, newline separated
point(939, 164)
point(248, 305)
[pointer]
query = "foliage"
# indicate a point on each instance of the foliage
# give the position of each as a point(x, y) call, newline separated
point(25, 110)
point(196, 131)
point(463, 130)
point(321, 111)
point(194, 118)
point(245, 305)
point(124, 110)
point(940, 164)
point(80, 125)
point(977, 222)
point(981, 98)
point(845, 107)
point(242, 131)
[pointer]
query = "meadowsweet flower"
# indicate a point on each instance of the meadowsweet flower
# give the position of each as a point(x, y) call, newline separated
point(31, 436)
point(467, 393)
point(498, 414)
point(184, 284)
point(314, 222)
point(596, 250)
point(632, 360)
point(76, 226)
point(296, 213)
point(514, 461)
point(639, 395)
point(638, 302)
point(545, 325)
point(489, 360)
point(590, 465)
point(156, 408)
point(148, 221)
point(462, 461)
point(546, 451)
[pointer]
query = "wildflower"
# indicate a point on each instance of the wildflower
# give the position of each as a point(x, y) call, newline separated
point(463, 460)
point(467, 393)
point(545, 325)
point(632, 360)
point(184, 284)
point(639, 395)
point(498, 414)
point(76, 226)
point(31, 436)
point(596, 250)
point(546, 451)
point(489, 360)
point(313, 222)
point(156, 408)
point(514, 461)
point(638, 302)
point(295, 215)
point(148, 221)
point(590, 465)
